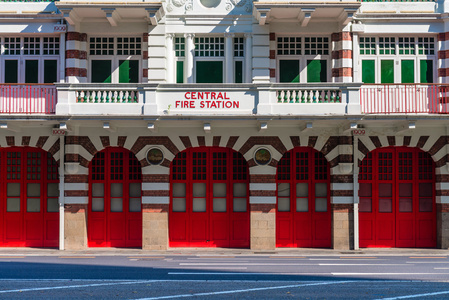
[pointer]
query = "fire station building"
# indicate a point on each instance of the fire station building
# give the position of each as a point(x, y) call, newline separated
point(224, 123)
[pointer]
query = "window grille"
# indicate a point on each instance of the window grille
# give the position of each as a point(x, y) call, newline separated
point(316, 45)
point(407, 45)
point(51, 46)
point(387, 45)
point(129, 46)
point(426, 45)
point(31, 46)
point(12, 46)
point(239, 47)
point(101, 46)
point(367, 45)
point(209, 47)
point(180, 46)
point(289, 46)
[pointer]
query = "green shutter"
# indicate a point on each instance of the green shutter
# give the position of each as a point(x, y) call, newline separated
point(50, 71)
point(11, 74)
point(316, 70)
point(31, 71)
point(387, 71)
point(128, 71)
point(238, 72)
point(101, 71)
point(426, 72)
point(407, 71)
point(368, 71)
point(289, 71)
point(209, 72)
point(180, 71)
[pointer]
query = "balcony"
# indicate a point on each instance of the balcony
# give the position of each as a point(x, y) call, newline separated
point(404, 99)
point(27, 99)
point(208, 99)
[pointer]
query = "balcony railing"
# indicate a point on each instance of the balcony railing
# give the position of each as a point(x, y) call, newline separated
point(404, 99)
point(27, 99)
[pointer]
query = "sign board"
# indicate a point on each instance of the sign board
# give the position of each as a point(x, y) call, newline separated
point(58, 132)
point(206, 102)
point(358, 132)
point(60, 28)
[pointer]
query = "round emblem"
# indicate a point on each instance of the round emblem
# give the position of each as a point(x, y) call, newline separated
point(210, 3)
point(155, 156)
point(262, 156)
point(178, 3)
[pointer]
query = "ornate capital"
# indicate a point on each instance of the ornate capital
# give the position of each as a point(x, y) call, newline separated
point(169, 36)
point(229, 35)
point(189, 35)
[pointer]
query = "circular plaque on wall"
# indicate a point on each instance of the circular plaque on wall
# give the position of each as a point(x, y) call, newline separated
point(262, 156)
point(155, 156)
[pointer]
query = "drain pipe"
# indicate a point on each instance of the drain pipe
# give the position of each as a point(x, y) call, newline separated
point(61, 192)
point(356, 191)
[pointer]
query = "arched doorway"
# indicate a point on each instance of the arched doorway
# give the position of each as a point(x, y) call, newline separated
point(397, 198)
point(29, 198)
point(209, 204)
point(115, 199)
point(303, 214)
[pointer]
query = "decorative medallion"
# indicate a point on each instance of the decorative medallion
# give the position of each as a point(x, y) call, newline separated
point(210, 3)
point(155, 156)
point(262, 156)
point(238, 2)
point(178, 3)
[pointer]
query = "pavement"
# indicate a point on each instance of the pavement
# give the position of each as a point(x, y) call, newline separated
point(9, 251)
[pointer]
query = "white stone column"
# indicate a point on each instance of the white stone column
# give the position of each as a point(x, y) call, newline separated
point(248, 58)
point(229, 58)
point(190, 47)
point(170, 58)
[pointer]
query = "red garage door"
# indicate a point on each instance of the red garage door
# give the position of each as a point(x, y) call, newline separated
point(397, 199)
point(29, 208)
point(303, 215)
point(209, 199)
point(115, 209)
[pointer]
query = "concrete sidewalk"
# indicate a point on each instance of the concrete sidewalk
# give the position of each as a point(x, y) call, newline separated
point(279, 252)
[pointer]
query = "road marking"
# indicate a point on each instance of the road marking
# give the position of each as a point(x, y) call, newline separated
point(214, 268)
point(291, 257)
point(416, 295)
point(7, 257)
point(427, 262)
point(143, 257)
point(357, 257)
point(441, 268)
point(76, 256)
point(74, 286)
point(382, 274)
point(247, 290)
point(428, 257)
point(230, 273)
point(343, 259)
point(273, 264)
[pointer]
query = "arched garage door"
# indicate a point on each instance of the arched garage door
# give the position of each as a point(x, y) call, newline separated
point(303, 215)
point(29, 208)
point(115, 209)
point(397, 198)
point(209, 199)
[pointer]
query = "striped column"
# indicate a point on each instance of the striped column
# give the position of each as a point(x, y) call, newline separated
point(273, 57)
point(443, 57)
point(76, 57)
point(342, 57)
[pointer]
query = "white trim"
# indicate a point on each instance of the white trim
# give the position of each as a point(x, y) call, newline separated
point(262, 186)
point(262, 200)
point(76, 200)
point(155, 200)
point(342, 200)
point(155, 186)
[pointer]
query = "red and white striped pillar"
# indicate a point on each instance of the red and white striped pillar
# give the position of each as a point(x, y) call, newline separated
point(342, 57)
point(76, 57)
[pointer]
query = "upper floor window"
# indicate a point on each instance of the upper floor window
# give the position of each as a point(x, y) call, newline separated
point(209, 57)
point(29, 59)
point(397, 59)
point(115, 59)
point(303, 59)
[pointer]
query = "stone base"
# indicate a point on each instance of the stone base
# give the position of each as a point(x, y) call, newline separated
point(342, 226)
point(155, 226)
point(442, 226)
point(75, 226)
point(263, 226)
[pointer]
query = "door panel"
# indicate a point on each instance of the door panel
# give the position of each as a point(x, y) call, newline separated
point(25, 174)
point(402, 207)
point(209, 202)
point(303, 216)
point(115, 212)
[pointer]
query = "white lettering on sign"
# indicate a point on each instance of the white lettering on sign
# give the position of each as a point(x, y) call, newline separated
point(60, 28)
point(358, 132)
point(58, 132)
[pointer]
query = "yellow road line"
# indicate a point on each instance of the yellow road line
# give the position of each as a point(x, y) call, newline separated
point(3, 257)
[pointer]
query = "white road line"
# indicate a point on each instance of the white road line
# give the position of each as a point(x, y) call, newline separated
point(214, 268)
point(416, 296)
point(246, 290)
point(346, 259)
point(382, 274)
point(245, 273)
point(427, 262)
point(74, 286)
point(269, 264)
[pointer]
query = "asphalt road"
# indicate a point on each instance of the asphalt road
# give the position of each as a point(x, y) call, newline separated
point(224, 277)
